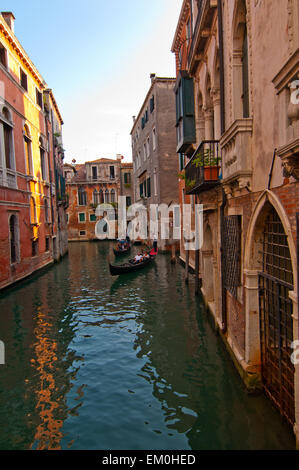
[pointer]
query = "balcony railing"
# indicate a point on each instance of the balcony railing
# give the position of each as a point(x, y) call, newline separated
point(202, 172)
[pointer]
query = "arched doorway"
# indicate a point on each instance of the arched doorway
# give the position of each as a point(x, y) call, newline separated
point(276, 309)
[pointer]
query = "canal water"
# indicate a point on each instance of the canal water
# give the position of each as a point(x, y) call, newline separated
point(95, 362)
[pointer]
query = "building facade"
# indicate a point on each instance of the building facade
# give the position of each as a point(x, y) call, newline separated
point(153, 147)
point(238, 145)
point(32, 223)
point(90, 184)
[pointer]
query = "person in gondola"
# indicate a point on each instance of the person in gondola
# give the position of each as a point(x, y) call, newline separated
point(138, 258)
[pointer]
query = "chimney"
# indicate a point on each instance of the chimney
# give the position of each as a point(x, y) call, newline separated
point(119, 157)
point(152, 77)
point(134, 119)
point(10, 19)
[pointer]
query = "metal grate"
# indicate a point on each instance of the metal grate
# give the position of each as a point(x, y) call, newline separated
point(276, 322)
point(232, 253)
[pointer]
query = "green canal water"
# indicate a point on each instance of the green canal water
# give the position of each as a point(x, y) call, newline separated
point(95, 362)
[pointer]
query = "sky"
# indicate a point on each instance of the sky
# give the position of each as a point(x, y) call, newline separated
point(97, 57)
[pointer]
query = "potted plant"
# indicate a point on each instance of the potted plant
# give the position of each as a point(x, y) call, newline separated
point(207, 159)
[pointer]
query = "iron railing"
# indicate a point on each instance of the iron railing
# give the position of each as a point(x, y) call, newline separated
point(203, 169)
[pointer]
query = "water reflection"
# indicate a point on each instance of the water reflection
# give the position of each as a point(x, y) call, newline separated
point(95, 362)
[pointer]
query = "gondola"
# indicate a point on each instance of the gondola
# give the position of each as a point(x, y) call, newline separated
point(122, 252)
point(130, 266)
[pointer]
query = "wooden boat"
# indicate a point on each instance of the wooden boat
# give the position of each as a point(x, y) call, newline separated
point(118, 252)
point(130, 266)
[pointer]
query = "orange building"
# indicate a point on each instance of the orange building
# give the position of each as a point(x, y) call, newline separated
point(90, 184)
point(32, 197)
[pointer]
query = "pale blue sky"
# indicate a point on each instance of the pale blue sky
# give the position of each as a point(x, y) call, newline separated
point(97, 56)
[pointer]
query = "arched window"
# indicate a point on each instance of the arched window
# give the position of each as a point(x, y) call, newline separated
point(32, 211)
point(107, 196)
point(95, 197)
point(101, 196)
point(28, 151)
point(14, 239)
point(240, 62)
point(8, 138)
point(82, 199)
point(112, 196)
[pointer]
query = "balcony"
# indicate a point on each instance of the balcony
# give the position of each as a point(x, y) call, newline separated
point(236, 144)
point(202, 172)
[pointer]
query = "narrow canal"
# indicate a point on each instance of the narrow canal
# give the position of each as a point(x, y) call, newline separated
point(95, 362)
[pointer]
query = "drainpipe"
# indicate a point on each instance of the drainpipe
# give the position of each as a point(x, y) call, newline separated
point(221, 60)
point(271, 171)
point(224, 198)
point(223, 261)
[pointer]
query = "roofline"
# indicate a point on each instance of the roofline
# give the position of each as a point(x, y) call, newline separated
point(4, 28)
point(185, 3)
point(156, 79)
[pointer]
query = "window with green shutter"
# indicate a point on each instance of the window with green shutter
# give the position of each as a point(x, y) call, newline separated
point(92, 218)
point(82, 217)
point(148, 187)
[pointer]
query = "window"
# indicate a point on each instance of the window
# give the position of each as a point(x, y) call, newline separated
point(67, 218)
point(106, 196)
point(112, 172)
point(146, 116)
point(82, 200)
point(47, 244)
point(28, 151)
point(148, 147)
point(154, 139)
point(94, 173)
point(33, 219)
point(39, 98)
point(141, 189)
point(92, 218)
point(82, 233)
point(3, 55)
point(34, 247)
point(152, 104)
point(43, 160)
point(185, 114)
point(112, 196)
point(148, 187)
point(101, 196)
point(142, 123)
point(82, 217)
point(23, 80)
point(144, 151)
point(8, 138)
point(181, 161)
point(96, 197)
point(13, 238)
point(47, 212)
point(127, 178)
point(128, 201)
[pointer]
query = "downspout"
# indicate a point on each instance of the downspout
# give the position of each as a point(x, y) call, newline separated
point(224, 198)
point(271, 171)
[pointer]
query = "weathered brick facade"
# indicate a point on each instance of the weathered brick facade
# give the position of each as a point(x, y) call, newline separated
point(32, 215)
